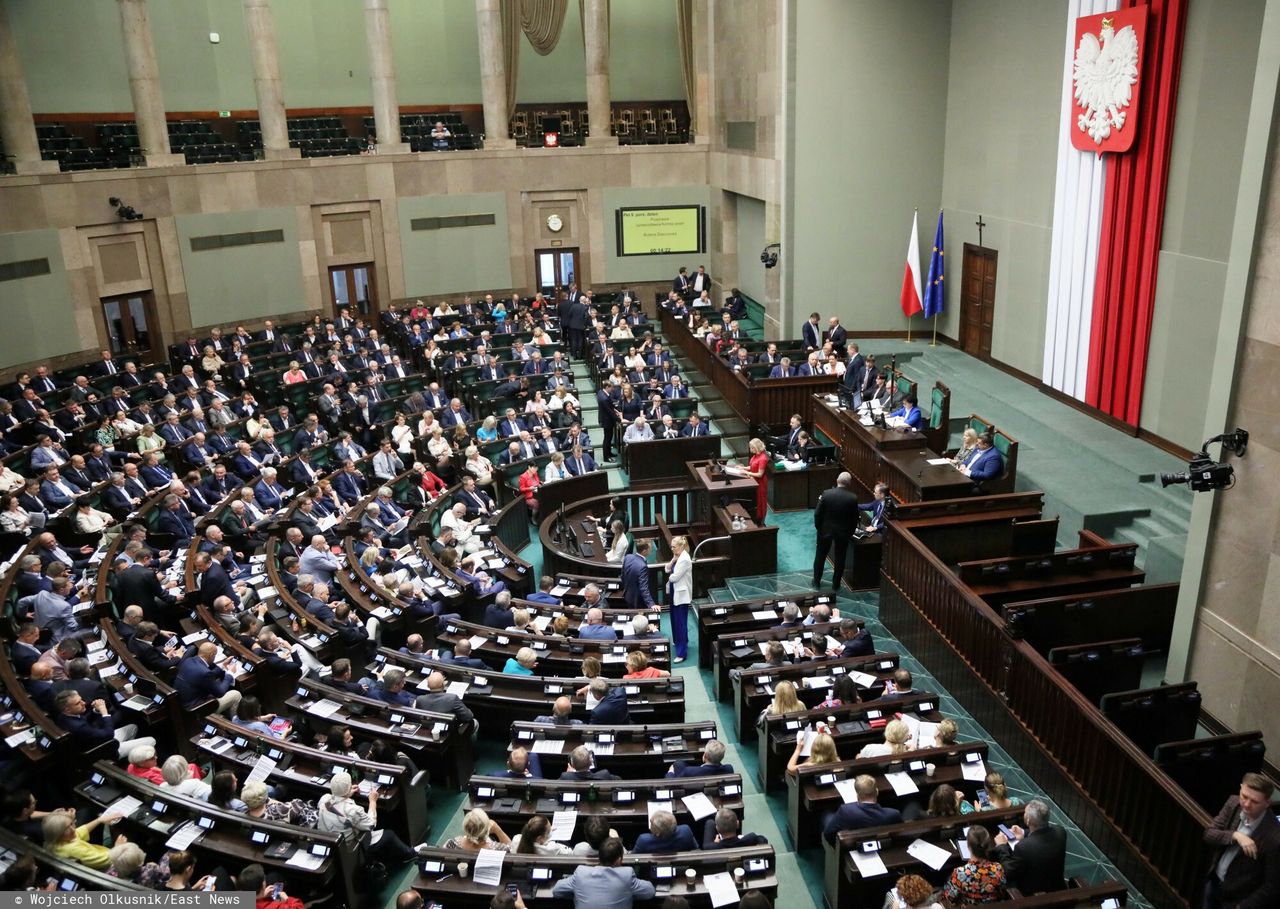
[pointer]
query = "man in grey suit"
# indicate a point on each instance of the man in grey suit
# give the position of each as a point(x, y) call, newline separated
point(437, 700)
point(606, 885)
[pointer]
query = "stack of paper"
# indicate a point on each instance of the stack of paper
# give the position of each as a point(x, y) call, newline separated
point(869, 864)
point(975, 770)
point(848, 794)
point(933, 856)
point(902, 783)
point(699, 805)
point(186, 834)
point(655, 807)
point(457, 689)
point(721, 889)
point(488, 870)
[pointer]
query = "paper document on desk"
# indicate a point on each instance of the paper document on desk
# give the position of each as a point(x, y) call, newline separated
point(764, 614)
point(559, 590)
point(699, 805)
point(721, 889)
point(542, 622)
point(847, 793)
point(822, 681)
point(926, 734)
point(305, 860)
point(933, 856)
point(976, 771)
point(187, 834)
point(563, 824)
point(863, 679)
point(457, 689)
point(496, 564)
point(261, 770)
point(18, 739)
point(962, 846)
point(548, 746)
point(869, 864)
point(939, 462)
point(123, 807)
point(655, 807)
point(602, 749)
point(477, 641)
point(488, 871)
point(324, 708)
point(902, 783)
point(807, 747)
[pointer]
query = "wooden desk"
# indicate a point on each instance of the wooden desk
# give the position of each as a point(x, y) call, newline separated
point(798, 490)
point(638, 751)
point(745, 616)
point(445, 885)
point(713, 486)
point(663, 460)
point(898, 458)
point(751, 687)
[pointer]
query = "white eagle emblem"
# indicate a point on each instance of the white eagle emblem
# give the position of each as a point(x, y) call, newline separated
point(1105, 74)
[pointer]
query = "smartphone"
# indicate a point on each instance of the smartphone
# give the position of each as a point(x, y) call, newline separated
point(1007, 831)
point(983, 798)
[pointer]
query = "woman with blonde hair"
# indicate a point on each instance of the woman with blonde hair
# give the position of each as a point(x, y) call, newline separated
point(478, 466)
point(997, 793)
point(821, 751)
point(758, 470)
point(968, 445)
point(896, 736)
point(479, 832)
point(680, 595)
point(294, 374)
point(638, 667)
point(785, 700)
point(438, 445)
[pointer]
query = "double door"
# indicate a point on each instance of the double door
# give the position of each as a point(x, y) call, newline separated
point(354, 290)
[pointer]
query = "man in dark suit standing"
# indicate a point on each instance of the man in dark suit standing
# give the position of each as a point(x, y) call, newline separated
point(865, 812)
point(1035, 860)
point(1246, 867)
point(635, 577)
point(811, 333)
point(577, 326)
point(836, 518)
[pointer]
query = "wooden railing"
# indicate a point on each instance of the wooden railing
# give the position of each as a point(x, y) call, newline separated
point(1146, 812)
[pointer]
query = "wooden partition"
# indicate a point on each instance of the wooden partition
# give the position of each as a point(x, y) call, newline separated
point(664, 459)
point(1135, 813)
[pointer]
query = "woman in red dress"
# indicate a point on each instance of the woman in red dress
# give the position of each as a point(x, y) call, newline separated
point(529, 483)
point(758, 469)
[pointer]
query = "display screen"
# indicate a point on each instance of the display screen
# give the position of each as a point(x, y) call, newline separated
point(661, 230)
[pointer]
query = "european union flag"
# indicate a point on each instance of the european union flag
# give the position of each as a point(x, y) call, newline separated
point(934, 288)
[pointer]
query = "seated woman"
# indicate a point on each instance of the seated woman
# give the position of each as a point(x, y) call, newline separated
point(535, 839)
point(785, 700)
point(478, 832)
point(621, 544)
point(13, 517)
point(478, 466)
point(997, 796)
point(177, 777)
point(522, 663)
point(843, 693)
point(488, 431)
point(402, 434)
point(555, 469)
point(638, 667)
point(981, 878)
point(211, 364)
point(432, 485)
point(438, 446)
point(294, 374)
point(259, 804)
point(821, 751)
point(520, 620)
point(896, 736)
point(249, 715)
point(224, 787)
point(339, 813)
point(968, 445)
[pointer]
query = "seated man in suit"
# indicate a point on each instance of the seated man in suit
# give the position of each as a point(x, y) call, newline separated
point(985, 463)
point(24, 652)
point(855, 640)
point(391, 689)
point(665, 835)
point(156, 654)
point(784, 369)
point(175, 520)
point(908, 413)
point(559, 715)
point(694, 426)
point(724, 831)
point(1035, 859)
point(865, 812)
point(877, 506)
point(580, 763)
point(611, 704)
point(900, 686)
point(712, 763)
point(579, 462)
point(437, 700)
point(461, 655)
point(595, 629)
point(522, 764)
point(90, 724)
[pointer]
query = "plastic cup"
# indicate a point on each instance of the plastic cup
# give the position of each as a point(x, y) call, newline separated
point(930, 769)
point(463, 869)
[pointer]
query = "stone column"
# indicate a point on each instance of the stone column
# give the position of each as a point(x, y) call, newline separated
point(17, 130)
point(595, 29)
point(382, 72)
point(144, 85)
point(266, 81)
point(493, 75)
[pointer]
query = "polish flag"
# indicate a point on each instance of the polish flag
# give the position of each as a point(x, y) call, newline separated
point(911, 295)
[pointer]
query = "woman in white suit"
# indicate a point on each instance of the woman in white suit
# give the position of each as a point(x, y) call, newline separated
point(680, 584)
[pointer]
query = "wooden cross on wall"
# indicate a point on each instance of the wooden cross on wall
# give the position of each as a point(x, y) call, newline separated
point(980, 224)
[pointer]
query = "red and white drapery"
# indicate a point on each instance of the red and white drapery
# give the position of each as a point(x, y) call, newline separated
point(1108, 217)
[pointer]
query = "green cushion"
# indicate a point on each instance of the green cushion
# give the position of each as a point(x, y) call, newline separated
point(979, 425)
point(1002, 444)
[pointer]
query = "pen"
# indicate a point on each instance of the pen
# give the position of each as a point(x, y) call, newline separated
point(441, 880)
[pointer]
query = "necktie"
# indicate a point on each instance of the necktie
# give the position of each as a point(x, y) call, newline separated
point(579, 463)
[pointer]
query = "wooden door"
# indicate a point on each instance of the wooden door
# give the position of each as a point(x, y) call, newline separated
point(131, 326)
point(354, 290)
point(555, 268)
point(977, 300)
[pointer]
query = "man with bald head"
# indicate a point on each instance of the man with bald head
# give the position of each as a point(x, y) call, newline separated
point(836, 518)
point(560, 714)
point(437, 700)
point(596, 629)
point(199, 678)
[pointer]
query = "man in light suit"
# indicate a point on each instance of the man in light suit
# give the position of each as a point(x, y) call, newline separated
point(635, 577)
point(605, 885)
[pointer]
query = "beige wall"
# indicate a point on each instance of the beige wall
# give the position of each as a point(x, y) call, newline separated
point(68, 214)
point(1235, 651)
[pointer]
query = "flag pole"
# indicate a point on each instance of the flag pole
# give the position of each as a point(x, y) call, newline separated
point(934, 342)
